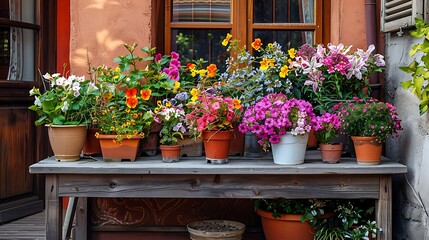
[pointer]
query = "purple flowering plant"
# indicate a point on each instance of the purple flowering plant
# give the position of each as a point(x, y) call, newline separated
point(173, 120)
point(334, 72)
point(327, 127)
point(369, 118)
point(275, 115)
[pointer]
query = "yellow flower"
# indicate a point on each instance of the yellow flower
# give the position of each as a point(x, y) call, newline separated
point(176, 87)
point(265, 63)
point(194, 92)
point(284, 71)
point(117, 69)
point(202, 72)
point(127, 110)
point(226, 40)
point(112, 128)
point(157, 109)
point(135, 116)
point(159, 103)
point(129, 136)
point(291, 52)
point(168, 104)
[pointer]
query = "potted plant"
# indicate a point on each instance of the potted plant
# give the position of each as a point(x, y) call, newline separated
point(65, 108)
point(123, 113)
point(252, 74)
point(325, 75)
point(290, 218)
point(282, 123)
point(419, 69)
point(326, 129)
point(369, 123)
point(212, 117)
point(173, 120)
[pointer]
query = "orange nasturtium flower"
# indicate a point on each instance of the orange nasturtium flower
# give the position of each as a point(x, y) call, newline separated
point(226, 40)
point(211, 70)
point(145, 94)
point(237, 103)
point(132, 92)
point(291, 52)
point(257, 44)
point(284, 71)
point(132, 102)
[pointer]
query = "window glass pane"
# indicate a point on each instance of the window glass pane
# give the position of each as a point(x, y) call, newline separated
point(194, 44)
point(201, 11)
point(288, 39)
point(283, 11)
point(4, 52)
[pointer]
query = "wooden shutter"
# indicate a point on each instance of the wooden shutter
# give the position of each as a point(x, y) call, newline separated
point(396, 14)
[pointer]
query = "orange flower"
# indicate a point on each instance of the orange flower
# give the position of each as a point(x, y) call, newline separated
point(191, 66)
point(132, 102)
point(237, 103)
point(131, 92)
point(257, 44)
point(211, 70)
point(145, 94)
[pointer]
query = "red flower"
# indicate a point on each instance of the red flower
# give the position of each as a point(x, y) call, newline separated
point(131, 93)
point(132, 102)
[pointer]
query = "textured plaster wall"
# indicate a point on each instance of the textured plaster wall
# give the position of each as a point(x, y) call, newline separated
point(103, 26)
point(348, 23)
point(411, 148)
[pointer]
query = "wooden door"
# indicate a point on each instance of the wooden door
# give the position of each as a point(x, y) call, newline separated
point(24, 38)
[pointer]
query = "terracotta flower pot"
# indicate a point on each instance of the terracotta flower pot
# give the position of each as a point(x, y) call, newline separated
point(216, 145)
point(331, 153)
point(92, 144)
point(288, 226)
point(170, 153)
point(368, 150)
point(67, 141)
point(113, 150)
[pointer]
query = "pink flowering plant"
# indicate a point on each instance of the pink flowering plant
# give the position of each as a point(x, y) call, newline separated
point(172, 118)
point(327, 127)
point(369, 118)
point(211, 112)
point(334, 73)
point(275, 115)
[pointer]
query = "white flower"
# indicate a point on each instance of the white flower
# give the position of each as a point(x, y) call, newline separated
point(55, 75)
point(68, 81)
point(37, 101)
point(65, 107)
point(47, 76)
point(76, 86)
point(32, 91)
point(60, 81)
point(76, 93)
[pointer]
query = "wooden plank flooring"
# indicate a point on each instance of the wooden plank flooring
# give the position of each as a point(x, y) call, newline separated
point(31, 227)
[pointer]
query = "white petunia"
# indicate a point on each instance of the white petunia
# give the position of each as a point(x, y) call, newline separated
point(37, 102)
point(60, 81)
point(47, 76)
point(65, 107)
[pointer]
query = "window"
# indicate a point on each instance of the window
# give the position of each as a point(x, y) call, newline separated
point(18, 31)
point(396, 14)
point(196, 28)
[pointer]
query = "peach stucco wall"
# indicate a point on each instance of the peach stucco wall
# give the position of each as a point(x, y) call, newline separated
point(348, 23)
point(103, 26)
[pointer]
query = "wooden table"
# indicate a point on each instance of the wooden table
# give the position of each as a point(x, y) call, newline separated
point(149, 177)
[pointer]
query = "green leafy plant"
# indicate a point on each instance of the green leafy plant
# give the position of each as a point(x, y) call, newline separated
point(124, 107)
point(419, 70)
point(65, 100)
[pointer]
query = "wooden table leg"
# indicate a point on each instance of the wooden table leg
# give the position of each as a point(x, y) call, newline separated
point(53, 221)
point(384, 208)
point(81, 227)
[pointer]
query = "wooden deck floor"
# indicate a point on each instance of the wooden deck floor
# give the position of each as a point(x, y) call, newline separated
point(31, 227)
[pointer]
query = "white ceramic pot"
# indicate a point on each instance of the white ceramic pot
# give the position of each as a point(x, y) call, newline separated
point(290, 150)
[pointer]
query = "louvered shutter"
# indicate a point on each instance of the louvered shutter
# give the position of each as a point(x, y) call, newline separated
point(397, 14)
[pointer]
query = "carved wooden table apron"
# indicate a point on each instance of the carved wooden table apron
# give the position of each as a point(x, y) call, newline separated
point(149, 177)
